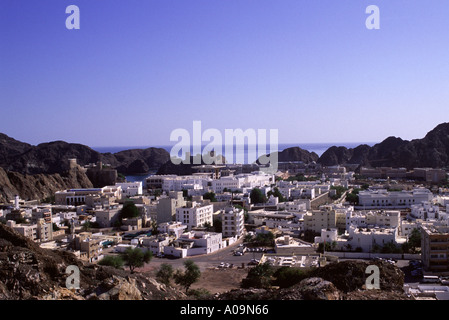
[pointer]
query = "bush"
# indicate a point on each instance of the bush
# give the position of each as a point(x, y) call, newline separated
point(199, 294)
point(288, 276)
point(112, 261)
point(129, 210)
point(165, 273)
point(259, 276)
point(191, 275)
point(136, 258)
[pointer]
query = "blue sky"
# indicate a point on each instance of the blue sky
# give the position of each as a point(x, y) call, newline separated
point(136, 70)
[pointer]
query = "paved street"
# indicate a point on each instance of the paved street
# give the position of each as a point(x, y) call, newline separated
point(211, 260)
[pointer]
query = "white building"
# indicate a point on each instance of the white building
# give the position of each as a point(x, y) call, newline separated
point(175, 229)
point(368, 238)
point(130, 189)
point(179, 183)
point(156, 244)
point(424, 211)
point(195, 243)
point(397, 199)
point(232, 222)
point(195, 214)
point(294, 206)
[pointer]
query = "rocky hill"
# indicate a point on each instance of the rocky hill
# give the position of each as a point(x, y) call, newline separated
point(52, 157)
point(296, 154)
point(30, 272)
point(39, 186)
point(337, 281)
point(430, 151)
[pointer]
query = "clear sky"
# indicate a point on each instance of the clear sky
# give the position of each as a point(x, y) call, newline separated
point(136, 70)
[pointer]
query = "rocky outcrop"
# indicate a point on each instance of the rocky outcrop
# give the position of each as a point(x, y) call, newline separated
point(430, 151)
point(336, 281)
point(39, 186)
point(52, 157)
point(349, 276)
point(295, 154)
point(137, 161)
point(30, 272)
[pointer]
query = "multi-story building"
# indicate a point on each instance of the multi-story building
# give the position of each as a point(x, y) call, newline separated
point(435, 247)
point(317, 220)
point(365, 239)
point(232, 222)
point(384, 173)
point(194, 214)
point(40, 231)
point(156, 181)
point(107, 218)
point(131, 189)
point(78, 196)
point(156, 244)
point(430, 174)
point(26, 230)
point(166, 207)
point(395, 199)
point(44, 230)
point(424, 211)
point(172, 228)
point(41, 213)
point(90, 247)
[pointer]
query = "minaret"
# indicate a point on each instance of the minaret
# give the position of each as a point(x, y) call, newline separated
point(16, 203)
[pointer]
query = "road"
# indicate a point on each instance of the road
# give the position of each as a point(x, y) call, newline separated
point(211, 260)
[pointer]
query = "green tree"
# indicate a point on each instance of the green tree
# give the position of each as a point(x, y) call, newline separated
point(247, 238)
point(257, 196)
point(352, 198)
point(264, 239)
point(210, 196)
point(390, 247)
point(112, 261)
point(200, 294)
point(328, 246)
point(136, 258)
point(129, 210)
point(415, 239)
point(339, 191)
point(218, 225)
point(165, 273)
point(190, 275)
point(86, 226)
point(288, 276)
point(259, 276)
point(277, 193)
point(154, 227)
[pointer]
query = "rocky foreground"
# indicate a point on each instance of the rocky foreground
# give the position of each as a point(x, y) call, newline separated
point(336, 281)
point(28, 272)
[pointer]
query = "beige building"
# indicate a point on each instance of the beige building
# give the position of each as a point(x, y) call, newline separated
point(89, 247)
point(435, 247)
point(317, 220)
point(166, 208)
point(79, 197)
point(40, 231)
